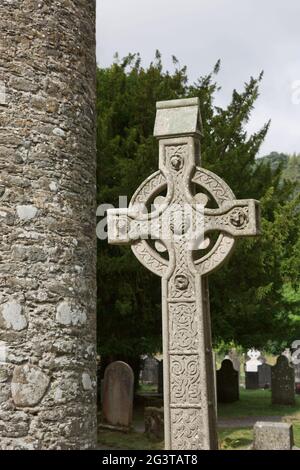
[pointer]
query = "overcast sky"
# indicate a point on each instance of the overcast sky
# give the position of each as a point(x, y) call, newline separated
point(247, 35)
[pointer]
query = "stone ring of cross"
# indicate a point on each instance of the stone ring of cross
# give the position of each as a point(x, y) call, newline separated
point(226, 221)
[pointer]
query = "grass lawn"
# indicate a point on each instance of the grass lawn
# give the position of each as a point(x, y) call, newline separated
point(253, 403)
point(147, 388)
point(235, 438)
point(129, 441)
point(241, 438)
point(229, 439)
point(258, 403)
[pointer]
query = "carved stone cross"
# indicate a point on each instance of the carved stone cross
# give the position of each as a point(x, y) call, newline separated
point(189, 232)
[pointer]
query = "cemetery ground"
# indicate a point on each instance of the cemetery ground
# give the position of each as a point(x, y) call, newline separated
point(235, 423)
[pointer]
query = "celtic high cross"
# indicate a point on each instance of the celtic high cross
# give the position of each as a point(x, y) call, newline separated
point(182, 236)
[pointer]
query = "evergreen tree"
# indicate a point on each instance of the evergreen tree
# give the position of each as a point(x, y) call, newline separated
point(247, 301)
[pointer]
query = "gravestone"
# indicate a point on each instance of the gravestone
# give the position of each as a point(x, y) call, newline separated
point(273, 436)
point(251, 380)
point(255, 359)
point(296, 367)
point(283, 382)
point(251, 369)
point(295, 361)
point(180, 223)
point(264, 376)
point(227, 383)
point(160, 387)
point(150, 371)
point(117, 400)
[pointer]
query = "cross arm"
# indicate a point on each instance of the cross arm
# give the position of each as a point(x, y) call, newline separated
point(124, 227)
point(238, 218)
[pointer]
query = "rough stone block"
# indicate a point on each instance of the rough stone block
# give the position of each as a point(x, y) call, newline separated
point(29, 385)
point(273, 436)
point(154, 423)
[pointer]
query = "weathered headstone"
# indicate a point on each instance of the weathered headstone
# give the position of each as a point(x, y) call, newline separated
point(180, 223)
point(297, 372)
point(251, 380)
point(273, 436)
point(264, 376)
point(296, 368)
point(295, 361)
point(149, 373)
point(117, 399)
point(227, 383)
point(283, 382)
point(48, 225)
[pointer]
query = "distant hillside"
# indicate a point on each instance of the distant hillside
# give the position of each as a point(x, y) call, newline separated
point(275, 159)
point(290, 165)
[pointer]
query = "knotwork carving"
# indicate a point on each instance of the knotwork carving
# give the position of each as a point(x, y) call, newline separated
point(183, 327)
point(147, 190)
point(185, 379)
point(213, 184)
point(148, 257)
point(186, 428)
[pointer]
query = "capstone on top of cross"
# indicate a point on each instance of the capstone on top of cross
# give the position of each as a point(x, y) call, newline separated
point(178, 118)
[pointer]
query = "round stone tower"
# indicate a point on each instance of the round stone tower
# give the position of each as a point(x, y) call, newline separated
point(47, 225)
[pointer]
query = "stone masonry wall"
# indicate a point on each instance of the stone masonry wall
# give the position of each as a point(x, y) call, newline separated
point(47, 224)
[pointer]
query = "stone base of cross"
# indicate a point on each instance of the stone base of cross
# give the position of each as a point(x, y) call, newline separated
point(182, 237)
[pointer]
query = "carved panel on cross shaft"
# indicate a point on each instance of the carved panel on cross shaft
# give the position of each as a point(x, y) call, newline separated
point(186, 426)
point(185, 379)
point(183, 327)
